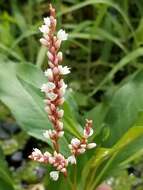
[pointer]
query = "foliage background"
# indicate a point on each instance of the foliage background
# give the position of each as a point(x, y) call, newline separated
point(105, 52)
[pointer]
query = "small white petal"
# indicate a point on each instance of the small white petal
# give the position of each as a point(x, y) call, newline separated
point(48, 73)
point(91, 145)
point(54, 175)
point(52, 96)
point(46, 134)
point(36, 151)
point(47, 87)
point(44, 29)
point(47, 21)
point(62, 35)
point(72, 159)
point(61, 133)
point(75, 142)
point(63, 70)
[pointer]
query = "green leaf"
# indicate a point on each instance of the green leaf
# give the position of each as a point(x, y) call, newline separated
point(125, 106)
point(106, 161)
point(20, 91)
point(6, 182)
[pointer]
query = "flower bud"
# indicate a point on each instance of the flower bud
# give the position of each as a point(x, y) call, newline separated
point(91, 145)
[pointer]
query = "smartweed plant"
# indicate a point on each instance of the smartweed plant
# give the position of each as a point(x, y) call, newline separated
point(54, 91)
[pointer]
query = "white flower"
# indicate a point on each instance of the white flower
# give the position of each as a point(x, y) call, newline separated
point(36, 152)
point(63, 70)
point(88, 135)
point(72, 159)
point(48, 73)
point(52, 96)
point(46, 134)
point(62, 35)
point(60, 134)
point(44, 29)
point(54, 175)
point(91, 145)
point(47, 87)
point(75, 142)
point(47, 21)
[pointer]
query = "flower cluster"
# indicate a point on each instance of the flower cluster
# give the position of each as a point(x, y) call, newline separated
point(54, 91)
point(78, 146)
point(55, 88)
point(57, 160)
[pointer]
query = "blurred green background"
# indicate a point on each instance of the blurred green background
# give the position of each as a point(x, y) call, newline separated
point(104, 52)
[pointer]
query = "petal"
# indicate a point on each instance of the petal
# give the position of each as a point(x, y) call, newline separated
point(54, 175)
point(91, 145)
point(72, 159)
point(62, 35)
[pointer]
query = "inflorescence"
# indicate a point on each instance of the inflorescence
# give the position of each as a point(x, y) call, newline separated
point(54, 91)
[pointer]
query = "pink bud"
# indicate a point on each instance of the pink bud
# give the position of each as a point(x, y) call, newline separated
point(41, 159)
point(48, 110)
point(60, 113)
point(48, 102)
point(50, 56)
point(56, 61)
point(51, 64)
point(63, 170)
point(60, 101)
point(52, 106)
point(58, 44)
point(52, 49)
point(55, 70)
point(60, 56)
point(60, 125)
point(51, 118)
point(44, 42)
point(59, 167)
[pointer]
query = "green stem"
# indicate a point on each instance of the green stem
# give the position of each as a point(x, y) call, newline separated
point(102, 173)
point(75, 177)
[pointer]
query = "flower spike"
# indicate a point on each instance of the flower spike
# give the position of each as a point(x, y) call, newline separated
point(54, 91)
